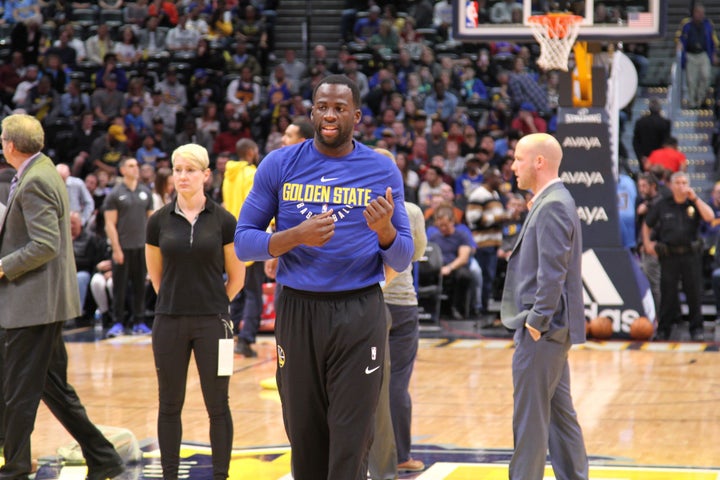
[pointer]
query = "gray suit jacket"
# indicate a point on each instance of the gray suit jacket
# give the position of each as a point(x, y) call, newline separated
point(40, 283)
point(543, 284)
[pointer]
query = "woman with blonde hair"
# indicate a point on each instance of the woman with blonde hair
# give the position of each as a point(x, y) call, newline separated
point(189, 246)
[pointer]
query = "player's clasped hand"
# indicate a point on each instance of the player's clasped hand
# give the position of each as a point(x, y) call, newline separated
point(317, 230)
point(379, 212)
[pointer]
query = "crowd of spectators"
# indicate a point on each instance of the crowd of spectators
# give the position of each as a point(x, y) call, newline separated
point(113, 79)
point(117, 79)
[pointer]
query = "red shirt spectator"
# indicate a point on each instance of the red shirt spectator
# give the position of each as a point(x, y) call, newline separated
point(226, 140)
point(668, 156)
point(167, 11)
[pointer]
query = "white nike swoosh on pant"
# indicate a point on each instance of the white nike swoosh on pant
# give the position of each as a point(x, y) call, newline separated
point(369, 370)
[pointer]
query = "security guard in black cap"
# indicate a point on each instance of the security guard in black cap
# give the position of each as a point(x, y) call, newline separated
point(676, 223)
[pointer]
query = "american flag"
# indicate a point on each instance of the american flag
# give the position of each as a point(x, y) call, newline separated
point(640, 19)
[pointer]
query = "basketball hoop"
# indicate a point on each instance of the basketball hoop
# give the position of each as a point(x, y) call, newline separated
point(556, 33)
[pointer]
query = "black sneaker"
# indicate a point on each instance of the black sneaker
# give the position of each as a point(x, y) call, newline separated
point(103, 472)
point(662, 335)
point(242, 347)
point(697, 336)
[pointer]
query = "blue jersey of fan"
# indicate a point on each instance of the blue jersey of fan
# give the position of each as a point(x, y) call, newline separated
point(294, 183)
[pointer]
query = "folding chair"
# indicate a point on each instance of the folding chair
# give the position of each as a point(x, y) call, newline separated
point(430, 284)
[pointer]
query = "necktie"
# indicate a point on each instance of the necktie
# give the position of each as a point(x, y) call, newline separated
point(13, 184)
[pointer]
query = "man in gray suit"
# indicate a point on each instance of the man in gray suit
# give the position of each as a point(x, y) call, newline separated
point(543, 303)
point(38, 291)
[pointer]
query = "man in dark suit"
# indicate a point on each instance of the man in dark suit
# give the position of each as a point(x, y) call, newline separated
point(543, 303)
point(650, 132)
point(38, 291)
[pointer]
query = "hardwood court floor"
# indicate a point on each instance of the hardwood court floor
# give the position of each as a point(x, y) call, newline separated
point(658, 404)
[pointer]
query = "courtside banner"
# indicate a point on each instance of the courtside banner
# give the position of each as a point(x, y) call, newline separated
point(586, 170)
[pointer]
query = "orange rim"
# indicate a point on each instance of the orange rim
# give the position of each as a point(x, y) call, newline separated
point(557, 23)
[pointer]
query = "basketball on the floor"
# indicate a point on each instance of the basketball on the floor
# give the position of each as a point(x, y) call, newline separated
point(641, 329)
point(601, 328)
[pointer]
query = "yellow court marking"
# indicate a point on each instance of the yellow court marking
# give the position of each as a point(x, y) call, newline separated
point(465, 471)
point(269, 383)
point(258, 469)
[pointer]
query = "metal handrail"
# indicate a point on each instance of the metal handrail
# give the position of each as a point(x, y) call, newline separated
point(674, 99)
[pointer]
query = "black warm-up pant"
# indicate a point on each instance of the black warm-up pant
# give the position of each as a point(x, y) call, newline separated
point(173, 339)
point(331, 349)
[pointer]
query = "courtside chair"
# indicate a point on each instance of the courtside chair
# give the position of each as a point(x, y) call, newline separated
point(430, 284)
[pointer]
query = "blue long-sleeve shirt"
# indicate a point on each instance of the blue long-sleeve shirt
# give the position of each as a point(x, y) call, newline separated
point(693, 38)
point(297, 182)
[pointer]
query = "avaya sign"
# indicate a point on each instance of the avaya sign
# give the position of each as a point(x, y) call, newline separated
point(582, 142)
point(582, 178)
point(590, 215)
point(586, 170)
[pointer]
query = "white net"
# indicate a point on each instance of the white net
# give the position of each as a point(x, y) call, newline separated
point(556, 34)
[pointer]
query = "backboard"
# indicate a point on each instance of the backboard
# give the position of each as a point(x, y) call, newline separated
point(491, 20)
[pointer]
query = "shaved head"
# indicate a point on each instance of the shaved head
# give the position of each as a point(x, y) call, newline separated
point(537, 160)
point(546, 146)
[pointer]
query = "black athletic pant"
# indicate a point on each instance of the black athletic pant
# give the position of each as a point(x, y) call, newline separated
point(132, 270)
point(173, 338)
point(331, 348)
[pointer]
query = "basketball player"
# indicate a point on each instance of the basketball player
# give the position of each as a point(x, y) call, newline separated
point(340, 216)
